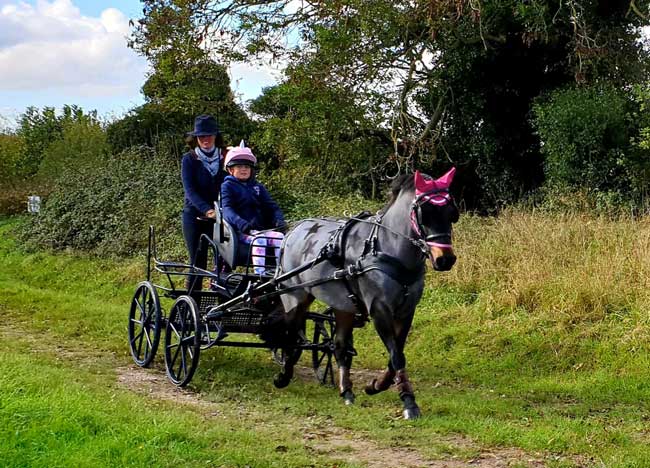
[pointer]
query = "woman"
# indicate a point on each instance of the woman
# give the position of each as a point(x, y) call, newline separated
point(202, 174)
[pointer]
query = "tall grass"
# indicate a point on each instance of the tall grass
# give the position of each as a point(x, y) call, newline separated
point(536, 293)
point(538, 339)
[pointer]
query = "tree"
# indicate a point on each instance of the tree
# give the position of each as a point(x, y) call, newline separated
point(449, 80)
point(185, 82)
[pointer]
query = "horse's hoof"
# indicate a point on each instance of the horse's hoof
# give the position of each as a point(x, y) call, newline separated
point(348, 397)
point(412, 413)
point(371, 389)
point(281, 380)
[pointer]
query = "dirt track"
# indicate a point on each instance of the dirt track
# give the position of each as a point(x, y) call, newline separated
point(321, 436)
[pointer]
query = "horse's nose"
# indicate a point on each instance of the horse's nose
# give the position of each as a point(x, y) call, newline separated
point(444, 263)
point(443, 259)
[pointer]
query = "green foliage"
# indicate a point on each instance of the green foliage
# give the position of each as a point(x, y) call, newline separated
point(148, 125)
point(300, 198)
point(413, 84)
point(108, 207)
point(184, 82)
point(44, 147)
point(39, 128)
point(82, 145)
point(586, 136)
point(11, 154)
point(13, 186)
point(337, 144)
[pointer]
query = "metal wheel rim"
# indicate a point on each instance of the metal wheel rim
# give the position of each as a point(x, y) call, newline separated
point(182, 341)
point(322, 360)
point(144, 324)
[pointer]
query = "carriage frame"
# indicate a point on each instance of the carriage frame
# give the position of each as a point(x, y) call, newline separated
point(237, 303)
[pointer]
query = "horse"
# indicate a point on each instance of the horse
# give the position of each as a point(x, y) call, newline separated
point(375, 265)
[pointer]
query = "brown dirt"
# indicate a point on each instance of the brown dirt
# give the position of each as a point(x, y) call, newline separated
point(322, 437)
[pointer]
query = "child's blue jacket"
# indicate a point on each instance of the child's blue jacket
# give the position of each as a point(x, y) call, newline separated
point(248, 206)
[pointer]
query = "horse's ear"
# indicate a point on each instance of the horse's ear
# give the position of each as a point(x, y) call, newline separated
point(423, 184)
point(445, 181)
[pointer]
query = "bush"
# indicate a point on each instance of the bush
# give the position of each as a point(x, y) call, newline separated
point(108, 208)
point(82, 144)
point(299, 195)
point(13, 187)
point(585, 134)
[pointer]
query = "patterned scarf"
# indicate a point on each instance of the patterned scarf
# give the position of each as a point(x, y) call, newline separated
point(211, 159)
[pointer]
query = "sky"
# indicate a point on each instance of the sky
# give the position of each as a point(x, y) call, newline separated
point(56, 52)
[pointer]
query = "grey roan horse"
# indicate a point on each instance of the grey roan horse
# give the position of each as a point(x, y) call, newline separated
point(383, 258)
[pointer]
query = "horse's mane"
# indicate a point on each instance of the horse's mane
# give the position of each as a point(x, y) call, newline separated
point(403, 182)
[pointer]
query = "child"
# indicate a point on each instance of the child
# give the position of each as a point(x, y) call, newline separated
point(249, 208)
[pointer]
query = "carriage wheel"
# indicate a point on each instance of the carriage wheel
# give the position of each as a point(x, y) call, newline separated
point(182, 341)
point(321, 359)
point(144, 324)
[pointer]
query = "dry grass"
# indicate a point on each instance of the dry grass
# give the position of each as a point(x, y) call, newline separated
point(577, 267)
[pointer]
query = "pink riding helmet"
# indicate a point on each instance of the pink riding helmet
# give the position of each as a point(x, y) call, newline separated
point(240, 155)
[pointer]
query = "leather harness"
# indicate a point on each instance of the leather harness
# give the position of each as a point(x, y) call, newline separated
point(370, 259)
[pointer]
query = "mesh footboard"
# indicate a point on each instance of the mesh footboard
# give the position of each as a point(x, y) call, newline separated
point(207, 300)
point(243, 321)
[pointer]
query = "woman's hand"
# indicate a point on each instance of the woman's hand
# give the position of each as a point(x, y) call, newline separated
point(210, 214)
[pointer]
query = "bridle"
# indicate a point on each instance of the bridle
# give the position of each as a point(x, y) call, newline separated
point(437, 197)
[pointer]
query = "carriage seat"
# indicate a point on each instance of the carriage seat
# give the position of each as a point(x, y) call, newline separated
point(228, 246)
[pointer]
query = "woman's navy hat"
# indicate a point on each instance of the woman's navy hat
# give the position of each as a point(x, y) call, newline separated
point(204, 125)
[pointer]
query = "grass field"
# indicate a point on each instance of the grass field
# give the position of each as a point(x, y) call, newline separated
point(533, 351)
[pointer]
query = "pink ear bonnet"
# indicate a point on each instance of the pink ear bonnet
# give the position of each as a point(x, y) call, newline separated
point(425, 184)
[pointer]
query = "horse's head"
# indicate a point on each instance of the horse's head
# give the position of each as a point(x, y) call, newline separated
point(433, 212)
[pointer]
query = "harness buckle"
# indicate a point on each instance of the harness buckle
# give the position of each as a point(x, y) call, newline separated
point(354, 299)
point(373, 246)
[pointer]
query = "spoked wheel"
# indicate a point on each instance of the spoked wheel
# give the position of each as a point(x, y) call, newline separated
point(144, 324)
point(321, 358)
point(182, 341)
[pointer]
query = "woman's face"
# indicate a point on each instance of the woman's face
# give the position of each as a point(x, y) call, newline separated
point(206, 142)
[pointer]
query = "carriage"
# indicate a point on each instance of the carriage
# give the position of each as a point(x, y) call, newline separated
point(238, 302)
point(363, 267)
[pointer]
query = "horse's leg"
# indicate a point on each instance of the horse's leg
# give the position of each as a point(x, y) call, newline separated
point(384, 326)
point(381, 383)
point(295, 319)
point(393, 333)
point(404, 387)
point(343, 347)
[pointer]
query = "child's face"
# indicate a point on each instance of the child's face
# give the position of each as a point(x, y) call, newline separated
point(240, 172)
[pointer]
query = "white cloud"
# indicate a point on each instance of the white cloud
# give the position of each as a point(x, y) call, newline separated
point(248, 80)
point(52, 47)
